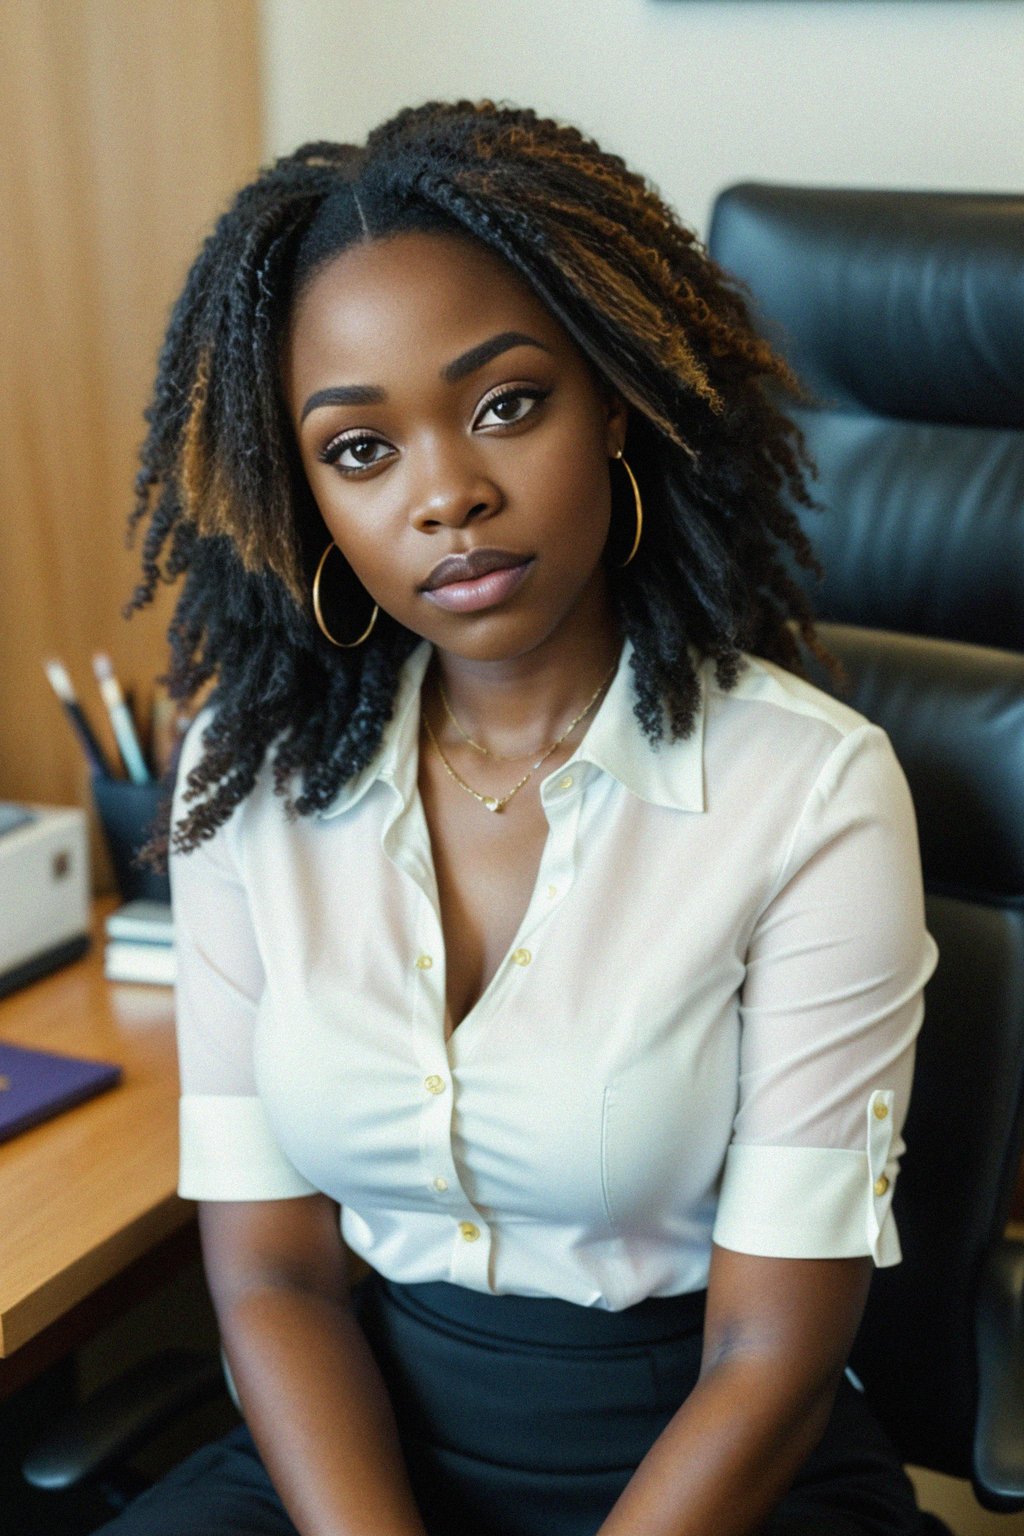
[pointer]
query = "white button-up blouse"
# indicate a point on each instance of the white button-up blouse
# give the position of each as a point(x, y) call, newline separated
point(703, 1029)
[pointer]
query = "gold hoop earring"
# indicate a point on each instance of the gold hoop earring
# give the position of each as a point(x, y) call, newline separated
point(343, 645)
point(638, 505)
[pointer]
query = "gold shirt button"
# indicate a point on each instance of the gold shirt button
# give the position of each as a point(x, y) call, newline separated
point(521, 957)
point(881, 1185)
point(469, 1231)
point(552, 892)
point(440, 1184)
point(433, 1083)
point(423, 963)
point(566, 781)
point(881, 1111)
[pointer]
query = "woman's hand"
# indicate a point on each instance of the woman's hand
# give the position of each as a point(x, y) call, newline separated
point(309, 1386)
point(776, 1340)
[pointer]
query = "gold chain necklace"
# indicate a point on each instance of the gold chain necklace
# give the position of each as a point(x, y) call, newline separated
point(496, 802)
point(501, 757)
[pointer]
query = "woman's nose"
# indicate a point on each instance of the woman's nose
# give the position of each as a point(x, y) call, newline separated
point(451, 493)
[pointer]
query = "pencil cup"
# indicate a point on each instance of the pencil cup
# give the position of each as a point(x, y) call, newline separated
point(127, 812)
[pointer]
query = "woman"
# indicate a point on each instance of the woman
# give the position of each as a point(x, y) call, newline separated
point(531, 906)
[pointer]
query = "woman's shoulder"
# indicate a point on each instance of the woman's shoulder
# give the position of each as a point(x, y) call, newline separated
point(776, 728)
point(779, 708)
point(770, 690)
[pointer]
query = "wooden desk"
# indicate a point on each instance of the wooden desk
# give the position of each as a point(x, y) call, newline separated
point(91, 1193)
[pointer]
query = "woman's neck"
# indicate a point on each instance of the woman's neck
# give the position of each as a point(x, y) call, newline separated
point(518, 704)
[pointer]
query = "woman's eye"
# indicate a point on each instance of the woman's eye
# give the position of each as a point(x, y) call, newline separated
point(511, 407)
point(360, 451)
point(354, 453)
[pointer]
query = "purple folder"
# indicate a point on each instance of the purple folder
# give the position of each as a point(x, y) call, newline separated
point(37, 1084)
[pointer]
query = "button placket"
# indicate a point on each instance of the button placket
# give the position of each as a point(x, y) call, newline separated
point(408, 846)
point(406, 843)
point(557, 868)
point(555, 878)
point(427, 983)
point(444, 1188)
point(471, 1252)
point(441, 1177)
point(435, 1088)
point(560, 785)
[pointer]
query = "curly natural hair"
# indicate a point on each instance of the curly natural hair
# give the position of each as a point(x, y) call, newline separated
point(720, 464)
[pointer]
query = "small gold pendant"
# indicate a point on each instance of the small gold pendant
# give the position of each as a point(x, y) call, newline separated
point(492, 804)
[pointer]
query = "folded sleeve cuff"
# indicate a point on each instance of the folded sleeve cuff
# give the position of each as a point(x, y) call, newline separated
point(811, 1202)
point(228, 1152)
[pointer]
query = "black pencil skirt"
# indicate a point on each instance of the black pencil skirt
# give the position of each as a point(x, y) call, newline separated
point(526, 1416)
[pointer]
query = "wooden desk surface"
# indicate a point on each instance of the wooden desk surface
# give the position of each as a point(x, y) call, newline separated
point(87, 1193)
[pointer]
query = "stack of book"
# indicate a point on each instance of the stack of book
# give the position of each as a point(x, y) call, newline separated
point(140, 943)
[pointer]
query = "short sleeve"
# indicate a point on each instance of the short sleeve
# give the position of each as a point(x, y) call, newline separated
point(830, 1009)
point(228, 1151)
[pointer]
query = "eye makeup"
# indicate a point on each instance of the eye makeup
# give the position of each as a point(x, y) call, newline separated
point(357, 436)
point(331, 454)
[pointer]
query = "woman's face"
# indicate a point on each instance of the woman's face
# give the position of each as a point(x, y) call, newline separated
point(442, 411)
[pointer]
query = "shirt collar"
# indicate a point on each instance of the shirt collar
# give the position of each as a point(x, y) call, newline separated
point(670, 774)
point(397, 758)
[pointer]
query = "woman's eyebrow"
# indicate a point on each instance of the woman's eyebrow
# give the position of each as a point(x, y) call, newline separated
point(485, 351)
point(451, 373)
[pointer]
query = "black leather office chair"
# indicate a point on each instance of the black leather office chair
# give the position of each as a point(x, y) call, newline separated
point(941, 1350)
point(903, 313)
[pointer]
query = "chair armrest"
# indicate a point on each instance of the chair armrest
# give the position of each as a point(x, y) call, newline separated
point(999, 1432)
point(121, 1417)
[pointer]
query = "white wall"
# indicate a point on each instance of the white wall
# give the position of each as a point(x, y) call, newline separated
point(696, 93)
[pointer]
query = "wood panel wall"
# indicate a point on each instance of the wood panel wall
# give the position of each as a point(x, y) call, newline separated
point(124, 127)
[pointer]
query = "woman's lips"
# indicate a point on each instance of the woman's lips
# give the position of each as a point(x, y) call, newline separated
point(481, 591)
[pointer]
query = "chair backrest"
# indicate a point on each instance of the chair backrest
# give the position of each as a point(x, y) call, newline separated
point(955, 716)
point(903, 314)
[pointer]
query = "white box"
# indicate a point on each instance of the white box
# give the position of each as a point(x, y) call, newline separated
point(44, 890)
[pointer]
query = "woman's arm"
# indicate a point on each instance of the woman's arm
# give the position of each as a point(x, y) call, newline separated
point(277, 1269)
point(776, 1339)
point(829, 1010)
point(309, 1386)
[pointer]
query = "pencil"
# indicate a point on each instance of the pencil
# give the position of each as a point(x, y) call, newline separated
point(120, 719)
point(60, 682)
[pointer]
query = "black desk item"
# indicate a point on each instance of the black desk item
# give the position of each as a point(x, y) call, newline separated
point(127, 812)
